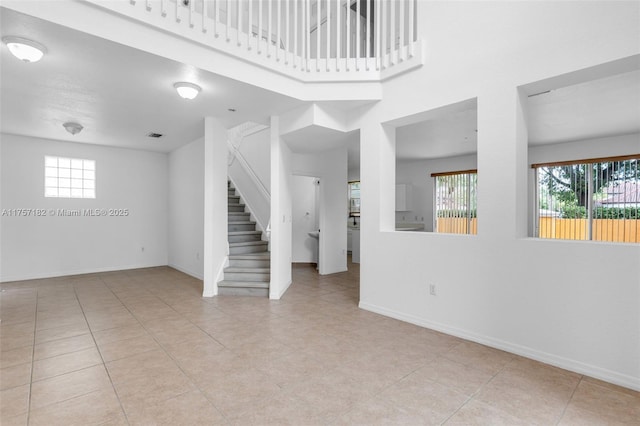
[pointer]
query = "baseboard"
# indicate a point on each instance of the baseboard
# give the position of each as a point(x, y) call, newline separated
point(72, 272)
point(281, 293)
point(547, 358)
point(187, 271)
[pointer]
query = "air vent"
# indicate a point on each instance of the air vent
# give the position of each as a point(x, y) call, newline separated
point(154, 135)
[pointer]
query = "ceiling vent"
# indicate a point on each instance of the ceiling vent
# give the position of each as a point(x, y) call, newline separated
point(154, 135)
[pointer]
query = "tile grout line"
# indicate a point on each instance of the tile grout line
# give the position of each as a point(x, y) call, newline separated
point(564, 410)
point(472, 397)
point(33, 355)
point(163, 350)
point(104, 364)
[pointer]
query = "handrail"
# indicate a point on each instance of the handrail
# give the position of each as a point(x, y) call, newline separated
point(302, 36)
point(250, 185)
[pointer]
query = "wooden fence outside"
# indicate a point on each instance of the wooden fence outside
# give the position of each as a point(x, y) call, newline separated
point(456, 225)
point(613, 230)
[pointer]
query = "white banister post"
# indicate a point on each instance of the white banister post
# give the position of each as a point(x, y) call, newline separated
point(348, 18)
point(239, 23)
point(412, 15)
point(216, 18)
point(250, 25)
point(178, 12)
point(307, 33)
point(338, 39)
point(192, 6)
point(204, 16)
point(269, 27)
point(392, 33)
point(385, 32)
point(295, 33)
point(228, 24)
point(278, 29)
point(287, 44)
point(259, 27)
point(358, 36)
point(328, 7)
point(401, 27)
point(378, 49)
point(368, 52)
point(318, 34)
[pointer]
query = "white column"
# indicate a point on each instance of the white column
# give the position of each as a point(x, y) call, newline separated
point(281, 227)
point(215, 204)
point(502, 164)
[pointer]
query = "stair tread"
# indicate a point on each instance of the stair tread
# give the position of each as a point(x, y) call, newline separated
point(236, 233)
point(265, 255)
point(249, 243)
point(248, 269)
point(241, 222)
point(244, 284)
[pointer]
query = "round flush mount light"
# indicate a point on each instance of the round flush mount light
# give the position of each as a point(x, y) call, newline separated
point(24, 49)
point(73, 128)
point(187, 90)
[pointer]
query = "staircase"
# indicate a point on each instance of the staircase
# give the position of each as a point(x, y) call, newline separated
point(248, 273)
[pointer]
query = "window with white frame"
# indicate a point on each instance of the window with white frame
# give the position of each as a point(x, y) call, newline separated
point(69, 177)
point(596, 199)
point(455, 202)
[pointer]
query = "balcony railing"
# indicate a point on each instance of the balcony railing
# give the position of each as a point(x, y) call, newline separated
point(313, 40)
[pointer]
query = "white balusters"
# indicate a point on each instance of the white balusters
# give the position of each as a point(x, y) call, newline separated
point(260, 26)
point(228, 26)
point(250, 25)
point(328, 31)
point(360, 35)
point(278, 32)
point(239, 22)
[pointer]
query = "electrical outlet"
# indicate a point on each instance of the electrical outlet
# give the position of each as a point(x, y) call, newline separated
point(432, 289)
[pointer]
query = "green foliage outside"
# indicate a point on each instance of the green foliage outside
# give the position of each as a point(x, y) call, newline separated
point(579, 212)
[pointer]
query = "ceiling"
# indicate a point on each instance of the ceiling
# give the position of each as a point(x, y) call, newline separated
point(119, 94)
point(602, 107)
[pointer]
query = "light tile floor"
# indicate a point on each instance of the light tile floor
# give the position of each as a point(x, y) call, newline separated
point(142, 347)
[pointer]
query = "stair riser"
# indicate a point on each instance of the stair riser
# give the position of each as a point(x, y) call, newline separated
point(233, 200)
point(236, 228)
point(248, 249)
point(235, 291)
point(238, 217)
point(244, 238)
point(246, 276)
point(236, 208)
point(231, 191)
point(246, 263)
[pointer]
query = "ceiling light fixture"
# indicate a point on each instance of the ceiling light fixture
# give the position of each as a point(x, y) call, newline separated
point(187, 90)
point(24, 49)
point(73, 128)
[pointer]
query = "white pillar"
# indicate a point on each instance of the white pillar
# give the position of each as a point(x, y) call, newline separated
point(502, 164)
point(281, 226)
point(215, 204)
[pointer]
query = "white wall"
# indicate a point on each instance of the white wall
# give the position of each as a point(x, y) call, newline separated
point(331, 168)
point(256, 150)
point(281, 205)
point(186, 208)
point(305, 219)
point(34, 247)
point(548, 300)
